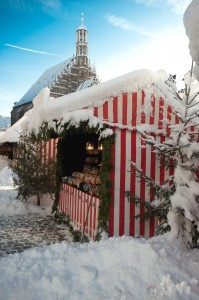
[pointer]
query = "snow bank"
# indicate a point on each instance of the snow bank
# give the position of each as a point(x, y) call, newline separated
point(191, 24)
point(9, 205)
point(117, 268)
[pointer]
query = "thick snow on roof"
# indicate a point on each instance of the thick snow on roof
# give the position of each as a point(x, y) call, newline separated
point(191, 23)
point(48, 78)
point(72, 106)
point(12, 134)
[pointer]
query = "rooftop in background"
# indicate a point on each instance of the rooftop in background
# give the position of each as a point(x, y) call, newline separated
point(4, 121)
point(48, 78)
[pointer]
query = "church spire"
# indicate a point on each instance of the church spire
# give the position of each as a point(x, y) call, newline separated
point(82, 19)
point(82, 42)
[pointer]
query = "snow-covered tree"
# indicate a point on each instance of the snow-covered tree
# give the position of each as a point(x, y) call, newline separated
point(176, 202)
point(33, 174)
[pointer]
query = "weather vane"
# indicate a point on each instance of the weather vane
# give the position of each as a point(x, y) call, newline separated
point(82, 18)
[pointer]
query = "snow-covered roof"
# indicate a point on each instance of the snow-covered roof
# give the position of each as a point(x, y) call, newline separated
point(71, 107)
point(11, 135)
point(48, 78)
point(79, 106)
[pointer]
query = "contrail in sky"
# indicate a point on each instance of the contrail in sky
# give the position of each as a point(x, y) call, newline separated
point(30, 50)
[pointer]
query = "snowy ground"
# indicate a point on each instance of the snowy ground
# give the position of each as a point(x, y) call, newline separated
point(117, 268)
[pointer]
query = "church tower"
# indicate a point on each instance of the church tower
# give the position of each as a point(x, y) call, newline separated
point(71, 75)
point(82, 44)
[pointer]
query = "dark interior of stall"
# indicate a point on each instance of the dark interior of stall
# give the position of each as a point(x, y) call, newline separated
point(75, 152)
point(82, 155)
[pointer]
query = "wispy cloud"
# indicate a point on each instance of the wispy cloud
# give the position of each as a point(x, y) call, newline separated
point(55, 8)
point(177, 6)
point(30, 50)
point(128, 25)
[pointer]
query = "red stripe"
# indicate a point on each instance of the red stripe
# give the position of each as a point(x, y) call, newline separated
point(142, 186)
point(85, 214)
point(54, 147)
point(78, 208)
point(161, 105)
point(169, 112)
point(69, 202)
point(134, 109)
point(95, 111)
point(152, 115)
point(152, 175)
point(49, 148)
point(162, 166)
point(105, 111)
point(122, 181)
point(132, 189)
point(90, 218)
point(124, 109)
point(115, 110)
point(81, 204)
point(112, 178)
point(45, 150)
point(95, 216)
point(143, 117)
point(177, 120)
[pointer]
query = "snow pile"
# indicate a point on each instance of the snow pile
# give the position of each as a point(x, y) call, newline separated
point(191, 24)
point(9, 205)
point(117, 268)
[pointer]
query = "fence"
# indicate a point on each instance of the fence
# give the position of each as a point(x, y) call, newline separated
point(82, 208)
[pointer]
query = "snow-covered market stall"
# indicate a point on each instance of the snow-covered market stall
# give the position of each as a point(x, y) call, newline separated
point(99, 134)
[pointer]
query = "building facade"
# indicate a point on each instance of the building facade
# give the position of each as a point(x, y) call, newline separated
point(73, 74)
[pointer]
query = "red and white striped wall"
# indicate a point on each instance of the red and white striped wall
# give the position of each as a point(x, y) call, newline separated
point(127, 110)
point(81, 207)
point(49, 148)
point(123, 114)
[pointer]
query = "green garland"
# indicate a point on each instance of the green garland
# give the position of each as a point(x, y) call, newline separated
point(105, 188)
point(59, 175)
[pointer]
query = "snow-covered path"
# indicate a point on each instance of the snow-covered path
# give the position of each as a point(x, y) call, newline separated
point(23, 226)
point(21, 232)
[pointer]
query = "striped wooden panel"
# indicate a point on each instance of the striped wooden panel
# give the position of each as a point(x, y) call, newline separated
point(81, 207)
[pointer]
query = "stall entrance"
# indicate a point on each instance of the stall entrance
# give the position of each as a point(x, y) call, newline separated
point(79, 191)
point(76, 148)
point(81, 164)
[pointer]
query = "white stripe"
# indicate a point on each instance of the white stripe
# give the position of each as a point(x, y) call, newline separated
point(156, 115)
point(100, 112)
point(110, 111)
point(129, 108)
point(120, 108)
point(139, 108)
point(165, 112)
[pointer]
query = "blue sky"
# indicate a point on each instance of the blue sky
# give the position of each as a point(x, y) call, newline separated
point(124, 35)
